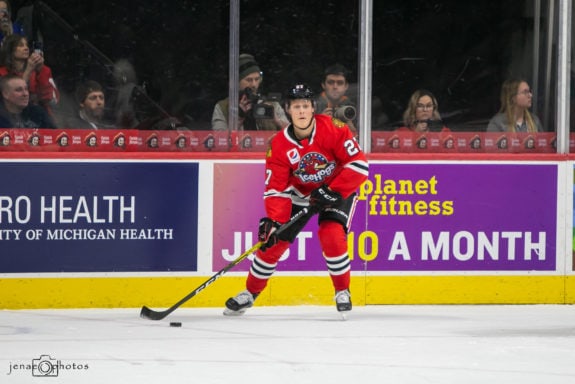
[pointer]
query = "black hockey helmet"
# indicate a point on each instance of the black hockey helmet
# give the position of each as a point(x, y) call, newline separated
point(300, 91)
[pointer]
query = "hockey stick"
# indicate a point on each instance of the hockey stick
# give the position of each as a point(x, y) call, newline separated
point(148, 313)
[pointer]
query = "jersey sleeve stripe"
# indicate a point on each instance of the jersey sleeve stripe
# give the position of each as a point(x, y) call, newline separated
point(274, 193)
point(359, 167)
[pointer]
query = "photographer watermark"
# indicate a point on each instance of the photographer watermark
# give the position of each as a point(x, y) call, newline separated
point(46, 366)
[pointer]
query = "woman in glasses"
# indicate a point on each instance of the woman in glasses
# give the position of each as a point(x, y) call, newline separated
point(422, 114)
point(514, 115)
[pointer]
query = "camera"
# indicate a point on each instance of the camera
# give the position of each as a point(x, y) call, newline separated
point(432, 125)
point(263, 111)
point(260, 110)
point(345, 112)
point(45, 366)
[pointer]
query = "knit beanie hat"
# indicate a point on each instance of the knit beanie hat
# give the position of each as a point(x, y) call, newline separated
point(248, 65)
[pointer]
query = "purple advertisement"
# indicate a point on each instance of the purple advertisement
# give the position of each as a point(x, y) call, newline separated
point(412, 217)
point(98, 217)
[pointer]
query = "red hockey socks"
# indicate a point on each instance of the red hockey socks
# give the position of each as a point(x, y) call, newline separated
point(333, 241)
point(263, 267)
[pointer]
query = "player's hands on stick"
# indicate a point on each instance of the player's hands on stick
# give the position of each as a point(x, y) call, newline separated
point(323, 197)
point(266, 233)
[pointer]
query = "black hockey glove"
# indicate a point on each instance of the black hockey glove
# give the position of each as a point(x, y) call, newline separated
point(324, 197)
point(266, 233)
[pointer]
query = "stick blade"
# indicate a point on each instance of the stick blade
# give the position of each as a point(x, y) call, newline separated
point(150, 314)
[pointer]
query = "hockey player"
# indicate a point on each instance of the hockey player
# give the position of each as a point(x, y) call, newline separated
point(315, 161)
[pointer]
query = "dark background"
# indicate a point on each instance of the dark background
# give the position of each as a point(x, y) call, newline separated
point(461, 51)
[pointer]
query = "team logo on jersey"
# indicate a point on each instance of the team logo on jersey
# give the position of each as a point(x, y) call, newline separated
point(314, 168)
point(293, 156)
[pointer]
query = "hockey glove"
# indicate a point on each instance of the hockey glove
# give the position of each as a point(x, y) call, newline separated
point(324, 197)
point(266, 233)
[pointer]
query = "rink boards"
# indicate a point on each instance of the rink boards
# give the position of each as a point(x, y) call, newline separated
point(124, 233)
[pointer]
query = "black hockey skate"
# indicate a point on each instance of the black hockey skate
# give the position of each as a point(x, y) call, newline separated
point(237, 306)
point(343, 300)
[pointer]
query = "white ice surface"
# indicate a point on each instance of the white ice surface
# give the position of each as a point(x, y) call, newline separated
point(297, 345)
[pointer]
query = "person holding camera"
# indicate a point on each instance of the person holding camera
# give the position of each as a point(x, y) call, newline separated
point(333, 100)
point(16, 58)
point(255, 113)
point(422, 113)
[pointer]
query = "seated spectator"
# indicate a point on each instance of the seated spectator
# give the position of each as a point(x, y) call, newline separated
point(16, 110)
point(272, 119)
point(15, 58)
point(127, 91)
point(91, 107)
point(7, 27)
point(379, 119)
point(333, 100)
point(514, 115)
point(422, 113)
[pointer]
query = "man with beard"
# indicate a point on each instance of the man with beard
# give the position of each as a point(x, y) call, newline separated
point(250, 119)
point(92, 104)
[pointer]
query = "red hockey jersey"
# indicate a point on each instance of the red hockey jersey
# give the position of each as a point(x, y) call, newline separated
point(294, 168)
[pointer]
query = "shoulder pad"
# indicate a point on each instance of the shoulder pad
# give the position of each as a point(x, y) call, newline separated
point(337, 122)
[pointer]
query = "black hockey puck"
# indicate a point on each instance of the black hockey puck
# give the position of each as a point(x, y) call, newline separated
point(175, 324)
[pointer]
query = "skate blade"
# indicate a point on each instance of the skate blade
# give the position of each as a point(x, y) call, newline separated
point(229, 312)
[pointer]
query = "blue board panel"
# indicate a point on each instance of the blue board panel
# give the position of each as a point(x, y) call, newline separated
point(98, 217)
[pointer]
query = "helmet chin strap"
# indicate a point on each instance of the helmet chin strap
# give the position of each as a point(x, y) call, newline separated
point(309, 125)
point(297, 129)
point(310, 122)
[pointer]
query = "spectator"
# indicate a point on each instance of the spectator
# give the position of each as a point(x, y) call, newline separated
point(92, 103)
point(15, 58)
point(514, 115)
point(333, 100)
point(379, 119)
point(131, 104)
point(422, 114)
point(126, 80)
point(16, 110)
point(250, 81)
point(7, 27)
